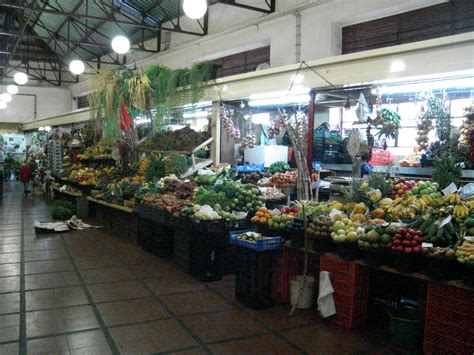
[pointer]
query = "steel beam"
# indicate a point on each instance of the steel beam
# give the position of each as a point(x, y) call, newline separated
point(270, 3)
point(98, 18)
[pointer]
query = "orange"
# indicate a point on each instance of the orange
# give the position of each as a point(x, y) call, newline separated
point(263, 220)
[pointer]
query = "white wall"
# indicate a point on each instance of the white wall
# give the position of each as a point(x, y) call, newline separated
point(50, 101)
point(232, 30)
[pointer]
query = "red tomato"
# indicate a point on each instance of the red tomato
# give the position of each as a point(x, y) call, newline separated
point(407, 250)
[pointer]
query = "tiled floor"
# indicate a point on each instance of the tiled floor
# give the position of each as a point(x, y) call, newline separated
point(89, 292)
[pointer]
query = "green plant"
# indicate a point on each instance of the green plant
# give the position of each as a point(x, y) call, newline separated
point(155, 168)
point(175, 87)
point(446, 171)
point(356, 193)
point(278, 167)
point(179, 164)
point(390, 121)
point(378, 181)
point(63, 210)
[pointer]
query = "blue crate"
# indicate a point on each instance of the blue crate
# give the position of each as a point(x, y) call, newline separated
point(249, 168)
point(273, 243)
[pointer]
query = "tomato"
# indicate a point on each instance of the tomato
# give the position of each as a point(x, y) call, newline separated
point(406, 243)
point(411, 230)
point(397, 242)
point(407, 250)
point(413, 243)
point(402, 231)
point(399, 248)
point(416, 249)
point(419, 233)
point(389, 245)
point(408, 237)
point(397, 236)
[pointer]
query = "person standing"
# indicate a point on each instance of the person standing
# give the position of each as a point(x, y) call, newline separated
point(25, 176)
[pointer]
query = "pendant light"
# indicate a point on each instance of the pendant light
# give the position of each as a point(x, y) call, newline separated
point(77, 67)
point(120, 44)
point(20, 78)
point(195, 9)
point(12, 89)
point(5, 97)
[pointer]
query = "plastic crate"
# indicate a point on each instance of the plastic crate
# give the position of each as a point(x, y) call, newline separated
point(272, 243)
point(292, 264)
point(155, 238)
point(254, 273)
point(201, 255)
point(351, 288)
point(449, 321)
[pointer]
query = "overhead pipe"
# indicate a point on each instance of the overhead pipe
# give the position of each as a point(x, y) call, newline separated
point(298, 37)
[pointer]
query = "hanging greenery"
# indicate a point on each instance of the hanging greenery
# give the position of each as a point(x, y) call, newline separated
point(175, 87)
point(390, 122)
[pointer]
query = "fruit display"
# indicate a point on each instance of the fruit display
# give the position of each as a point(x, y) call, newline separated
point(466, 129)
point(401, 186)
point(168, 203)
point(406, 240)
point(90, 176)
point(429, 225)
point(465, 252)
point(375, 237)
point(346, 230)
point(250, 236)
point(96, 153)
point(262, 216)
point(253, 177)
point(320, 227)
point(439, 252)
point(286, 179)
point(411, 160)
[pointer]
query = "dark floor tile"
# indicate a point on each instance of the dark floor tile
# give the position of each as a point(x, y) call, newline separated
point(177, 283)
point(54, 321)
point(98, 262)
point(160, 336)
point(329, 338)
point(155, 269)
point(136, 257)
point(118, 291)
point(265, 344)
point(9, 284)
point(48, 266)
point(37, 255)
point(189, 351)
point(53, 280)
point(9, 327)
point(196, 302)
point(130, 311)
point(278, 318)
point(9, 303)
point(115, 274)
point(226, 282)
point(7, 258)
point(9, 270)
point(228, 294)
point(223, 325)
point(9, 349)
point(60, 297)
point(89, 342)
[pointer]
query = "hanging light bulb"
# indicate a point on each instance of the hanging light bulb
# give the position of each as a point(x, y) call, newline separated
point(3, 105)
point(120, 44)
point(76, 67)
point(195, 9)
point(5, 97)
point(12, 89)
point(20, 78)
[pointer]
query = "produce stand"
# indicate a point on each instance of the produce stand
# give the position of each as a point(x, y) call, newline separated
point(79, 199)
point(116, 219)
point(447, 323)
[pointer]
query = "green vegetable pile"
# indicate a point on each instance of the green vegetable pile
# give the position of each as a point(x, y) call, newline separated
point(155, 169)
point(278, 167)
point(63, 210)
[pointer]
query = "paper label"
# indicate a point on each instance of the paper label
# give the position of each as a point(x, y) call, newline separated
point(334, 212)
point(450, 189)
point(445, 221)
point(426, 245)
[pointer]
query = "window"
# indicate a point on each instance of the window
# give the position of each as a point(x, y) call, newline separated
point(83, 101)
point(449, 18)
point(243, 62)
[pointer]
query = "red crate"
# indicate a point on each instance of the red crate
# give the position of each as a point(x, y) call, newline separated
point(438, 344)
point(351, 288)
point(291, 264)
point(449, 320)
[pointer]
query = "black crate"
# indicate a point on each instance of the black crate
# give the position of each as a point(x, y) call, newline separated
point(201, 255)
point(254, 272)
point(157, 239)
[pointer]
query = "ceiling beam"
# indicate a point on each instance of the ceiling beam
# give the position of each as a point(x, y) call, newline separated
point(270, 3)
point(98, 18)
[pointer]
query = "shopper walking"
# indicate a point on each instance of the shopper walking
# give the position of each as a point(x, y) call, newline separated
point(25, 176)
